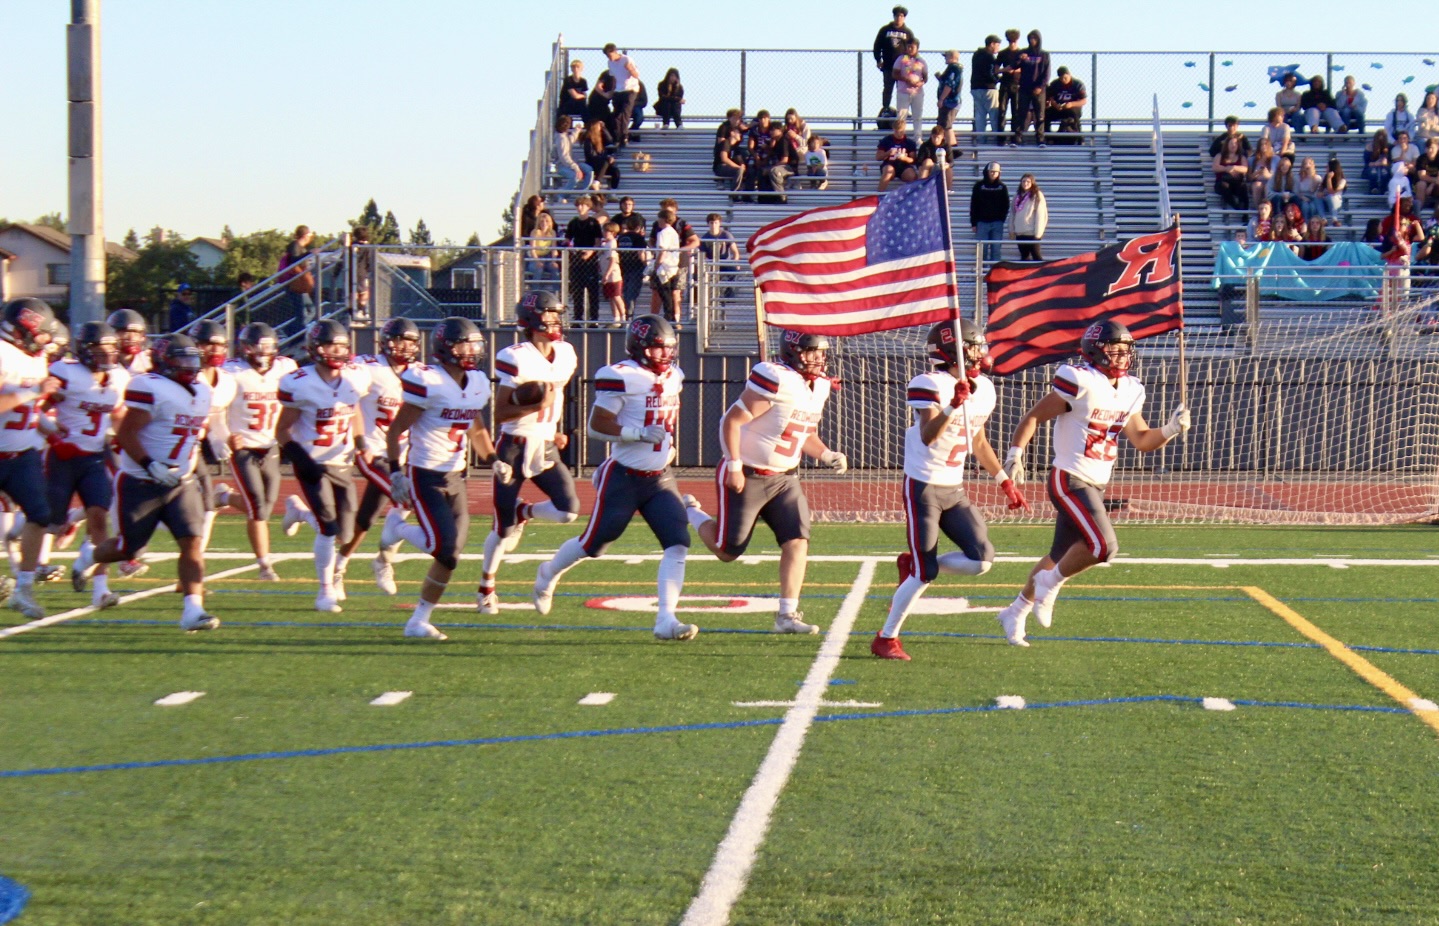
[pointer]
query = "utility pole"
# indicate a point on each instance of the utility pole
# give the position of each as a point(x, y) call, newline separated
point(87, 211)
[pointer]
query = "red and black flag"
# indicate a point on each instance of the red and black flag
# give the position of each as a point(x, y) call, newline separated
point(1037, 312)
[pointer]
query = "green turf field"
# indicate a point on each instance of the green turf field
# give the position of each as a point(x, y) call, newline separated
point(491, 795)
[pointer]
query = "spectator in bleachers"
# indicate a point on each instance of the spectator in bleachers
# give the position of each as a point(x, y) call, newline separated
point(1029, 218)
point(816, 163)
point(1399, 238)
point(627, 211)
point(684, 283)
point(1231, 168)
point(577, 176)
point(672, 100)
point(1033, 83)
point(599, 154)
point(1307, 187)
point(988, 210)
point(1331, 196)
point(720, 247)
point(1283, 187)
point(1009, 79)
point(625, 75)
point(1426, 175)
point(1404, 150)
point(936, 153)
point(729, 158)
point(574, 91)
point(1400, 119)
point(1352, 104)
point(889, 44)
point(1372, 236)
point(1287, 100)
point(1261, 168)
point(1064, 104)
point(1376, 161)
point(1426, 120)
point(681, 227)
point(1261, 226)
point(757, 135)
point(1231, 130)
point(584, 233)
point(1318, 106)
point(612, 278)
point(1316, 232)
point(633, 257)
point(599, 208)
point(951, 79)
point(758, 140)
point(796, 129)
point(1280, 230)
point(896, 154)
point(1399, 185)
point(733, 119)
point(782, 162)
point(664, 269)
point(597, 108)
point(1280, 135)
point(637, 116)
point(984, 82)
point(530, 214)
point(910, 76)
point(542, 258)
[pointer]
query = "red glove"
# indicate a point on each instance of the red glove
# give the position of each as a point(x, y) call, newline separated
point(961, 392)
point(1011, 492)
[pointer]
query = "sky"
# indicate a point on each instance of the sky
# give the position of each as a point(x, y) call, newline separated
point(264, 114)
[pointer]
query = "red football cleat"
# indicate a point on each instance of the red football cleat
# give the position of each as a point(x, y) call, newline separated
point(905, 562)
point(887, 648)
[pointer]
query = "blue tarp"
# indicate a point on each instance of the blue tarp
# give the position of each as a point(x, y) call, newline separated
point(1346, 268)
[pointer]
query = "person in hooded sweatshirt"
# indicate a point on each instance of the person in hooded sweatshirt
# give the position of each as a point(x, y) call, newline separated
point(1033, 82)
point(988, 210)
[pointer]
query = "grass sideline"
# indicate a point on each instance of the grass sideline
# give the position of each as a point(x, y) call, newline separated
point(1129, 805)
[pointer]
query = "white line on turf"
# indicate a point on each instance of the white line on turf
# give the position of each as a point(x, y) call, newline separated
point(178, 698)
point(821, 704)
point(1423, 704)
point(391, 698)
point(725, 881)
point(1218, 704)
point(1009, 702)
point(596, 698)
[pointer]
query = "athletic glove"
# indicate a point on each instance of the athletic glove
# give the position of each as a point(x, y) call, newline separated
point(649, 434)
point(163, 473)
point(962, 392)
point(1016, 497)
point(304, 465)
point(503, 471)
point(400, 488)
point(1178, 423)
point(1014, 465)
point(836, 461)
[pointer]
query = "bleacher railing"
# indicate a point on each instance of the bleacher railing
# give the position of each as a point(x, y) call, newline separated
point(537, 159)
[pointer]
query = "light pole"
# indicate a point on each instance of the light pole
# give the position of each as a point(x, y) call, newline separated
point(87, 211)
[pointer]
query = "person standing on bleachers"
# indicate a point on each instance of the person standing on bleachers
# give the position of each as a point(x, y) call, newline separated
point(888, 46)
point(1033, 84)
point(910, 75)
point(1029, 218)
point(951, 79)
point(984, 89)
point(988, 210)
point(1008, 75)
point(626, 76)
point(583, 233)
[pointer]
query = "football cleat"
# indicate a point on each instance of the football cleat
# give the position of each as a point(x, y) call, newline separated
point(82, 568)
point(223, 492)
point(545, 583)
point(488, 603)
point(1044, 598)
point(200, 621)
point(23, 600)
point(904, 562)
point(676, 630)
point(295, 511)
point(887, 648)
point(107, 600)
point(48, 572)
point(423, 630)
point(1012, 619)
point(339, 585)
point(132, 569)
point(384, 575)
point(7, 588)
point(326, 604)
point(793, 623)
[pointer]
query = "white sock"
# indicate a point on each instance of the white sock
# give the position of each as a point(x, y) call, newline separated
point(569, 553)
point(788, 605)
point(1052, 576)
point(904, 598)
point(87, 549)
point(957, 564)
point(16, 526)
point(671, 581)
point(194, 604)
point(7, 524)
point(549, 511)
point(265, 560)
point(423, 610)
point(494, 554)
point(1022, 603)
point(47, 544)
point(102, 584)
point(697, 517)
point(341, 563)
point(325, 563)
point(207, 530)
point(25, 580)
point(414, 535)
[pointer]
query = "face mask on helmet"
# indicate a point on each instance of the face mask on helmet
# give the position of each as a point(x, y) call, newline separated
point(333, 354)
point(131, 343)
point(551, 325)
point(99, 356)
point(465, 354)
point(213, 354)
point(404, 350)
point(976, 359)
point(261, 355)
point(659, 357)
point(1118, 357)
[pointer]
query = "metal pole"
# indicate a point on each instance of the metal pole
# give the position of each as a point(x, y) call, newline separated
point(1093, 91)
point(87, 217)
point(1211, 91)
point(858, 90)
point(743, 78)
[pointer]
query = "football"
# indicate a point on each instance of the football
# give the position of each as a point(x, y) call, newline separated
point(528, 393)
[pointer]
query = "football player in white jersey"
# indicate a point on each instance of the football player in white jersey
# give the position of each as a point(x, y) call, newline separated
point(92, 387)
point(133, 333)
point(166, 413)
point(637, 407)
point(26, 326)
point(1091, 403)
point(319, 431)
point(949, 406)
point(251, 420)
point(441, 416)
point(214, 346)
point(531, 437)
point(399, 349)
point(763, 434)
point(66, 528)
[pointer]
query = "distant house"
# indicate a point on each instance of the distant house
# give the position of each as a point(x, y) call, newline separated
point(5, 258)
point(208, 251)
point(40, 265)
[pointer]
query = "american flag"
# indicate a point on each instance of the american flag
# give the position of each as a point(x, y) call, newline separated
point(876, 263)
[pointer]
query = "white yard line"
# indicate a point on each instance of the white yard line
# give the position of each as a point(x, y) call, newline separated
point(597, 698)
point(178, 698)
point(729, 872)
point(391, 698)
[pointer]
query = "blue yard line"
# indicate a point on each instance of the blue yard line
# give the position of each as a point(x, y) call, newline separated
point(671, 728)
point(13, 896)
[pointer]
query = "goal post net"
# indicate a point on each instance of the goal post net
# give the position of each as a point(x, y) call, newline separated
point(1320, 417)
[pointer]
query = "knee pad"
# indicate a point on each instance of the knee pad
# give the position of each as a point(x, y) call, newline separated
point(329, 528)
point(448, 559)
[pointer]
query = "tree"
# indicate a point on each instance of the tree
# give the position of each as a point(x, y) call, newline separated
point(507, 222)
point(52, 220)
point(389, 231)
point(226, 235)
point(420, 234)
point(147, 282)
point(474, 241)
point(132, 240)
point(370, 216)
point(257, 254)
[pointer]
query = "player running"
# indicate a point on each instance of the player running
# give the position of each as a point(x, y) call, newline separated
point(214, 348)
point(92, 388)
point(530, 435)
point(441, 415)
point(1091, 404)
point(319, 430)
point(950, 405)
point(26, 327)
point(763, 434)
point(166, 413)
point(637, 406)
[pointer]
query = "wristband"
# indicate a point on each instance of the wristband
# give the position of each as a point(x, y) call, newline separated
point(734, 466)
point(631, 434)
point(1001, 477)
point(951, 410)
point(489, 459)
point(394, 467)
point(360, 442)
point(145, 462)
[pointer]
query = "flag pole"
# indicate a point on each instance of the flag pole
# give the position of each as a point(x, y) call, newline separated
point(949, 243)
point(1179, 271)
point(759, 323)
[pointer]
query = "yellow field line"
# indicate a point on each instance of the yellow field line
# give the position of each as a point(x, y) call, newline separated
point(1360, 666)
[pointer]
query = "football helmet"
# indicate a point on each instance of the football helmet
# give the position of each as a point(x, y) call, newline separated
point(400, 341)
point(328, 343)
point(794, 345)
point(59, 344)
point(258, 345)
point(532, 308)
point(651, 343)
point(98, 347)
point(130, 329)
point(176, 357)
point(457, 341)
point(1109, 347)
point(974, 350)
point(210, 337)
point(29, 324)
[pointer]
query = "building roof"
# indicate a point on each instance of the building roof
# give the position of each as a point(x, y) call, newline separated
point(6, 255)
point(61, 240)
point(218, 244)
